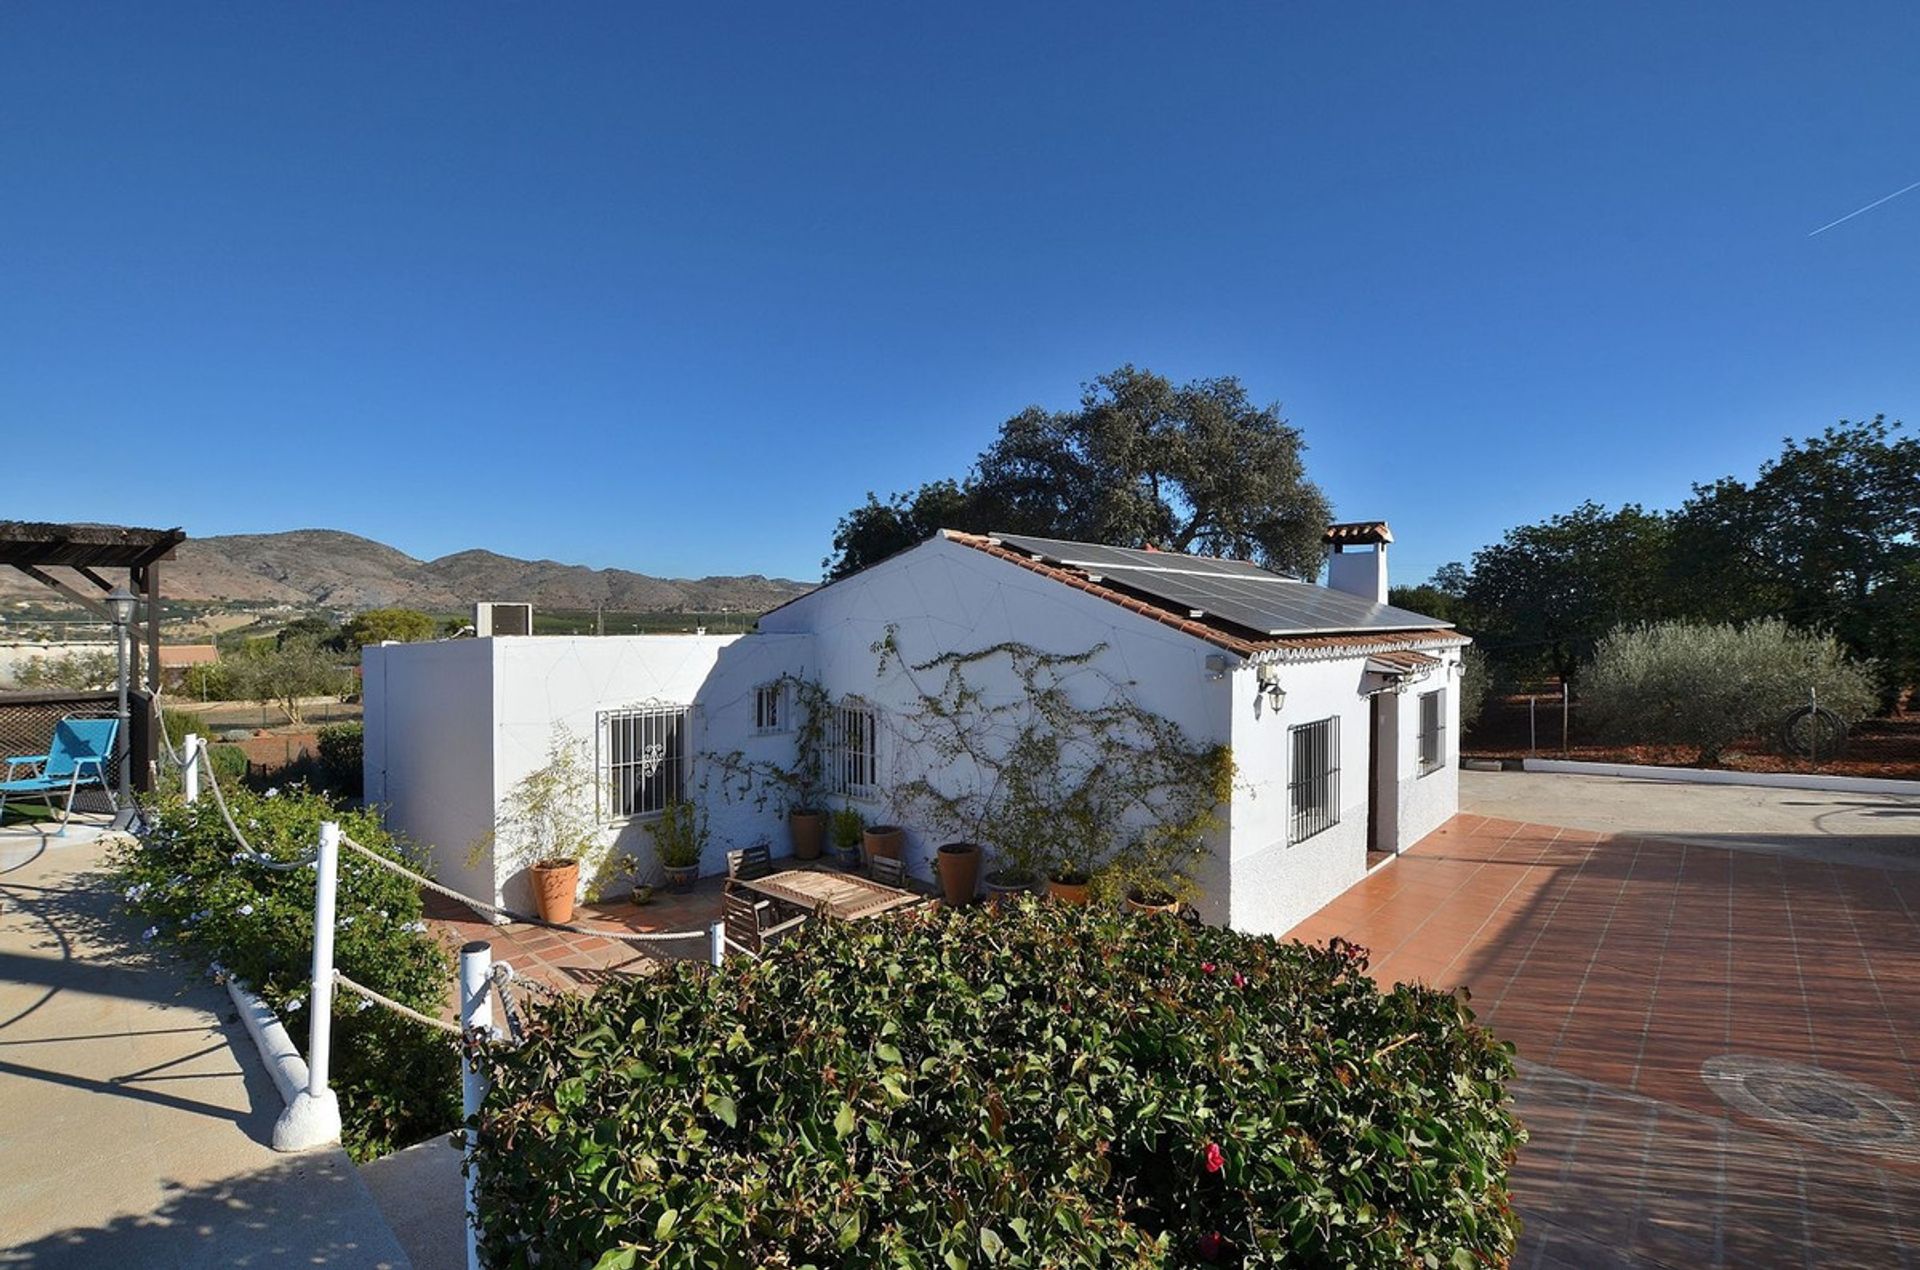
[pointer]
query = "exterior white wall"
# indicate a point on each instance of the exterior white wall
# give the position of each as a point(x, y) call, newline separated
point(1277, 885)
point(428, 761)
point(452, 727)
point(544, 685)
point(942, 596)
point(1424, 803)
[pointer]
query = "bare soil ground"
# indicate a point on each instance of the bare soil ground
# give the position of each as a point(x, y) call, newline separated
point(1886, 748)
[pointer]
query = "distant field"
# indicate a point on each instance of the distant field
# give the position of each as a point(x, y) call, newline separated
point(584, 622)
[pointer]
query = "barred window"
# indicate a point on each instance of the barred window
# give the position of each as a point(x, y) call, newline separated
point(770, 708)
point(1433, 731)
point(1313, 793)
point(850, 751)
point(642, 760)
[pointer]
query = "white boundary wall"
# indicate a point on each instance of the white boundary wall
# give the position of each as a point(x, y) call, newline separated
point(1715, 776)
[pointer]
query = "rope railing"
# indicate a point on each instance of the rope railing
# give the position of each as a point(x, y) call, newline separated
point(517, 918)
point(312, 1117)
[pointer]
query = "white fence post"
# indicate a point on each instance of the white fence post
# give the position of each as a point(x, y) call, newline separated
point(190, 768)
point(476, 1011)
point(313, 1117)
point(717, 937)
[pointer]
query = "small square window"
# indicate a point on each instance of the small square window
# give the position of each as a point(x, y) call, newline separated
point(770, 708)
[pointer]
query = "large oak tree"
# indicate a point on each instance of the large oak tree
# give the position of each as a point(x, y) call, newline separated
point(1191, 467)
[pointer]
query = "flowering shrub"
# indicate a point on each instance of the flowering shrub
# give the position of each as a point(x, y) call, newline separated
point(1051, 1086)
point(397, 1081)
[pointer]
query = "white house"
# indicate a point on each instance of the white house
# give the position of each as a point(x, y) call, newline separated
point(1340, 711)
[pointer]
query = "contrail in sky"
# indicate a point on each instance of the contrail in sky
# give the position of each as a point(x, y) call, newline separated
point(1869, 207)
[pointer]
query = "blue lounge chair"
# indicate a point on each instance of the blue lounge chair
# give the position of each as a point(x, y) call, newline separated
point(78, 757)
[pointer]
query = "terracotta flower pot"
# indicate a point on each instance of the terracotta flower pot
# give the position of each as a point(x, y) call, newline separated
point(682, 876)
point(808, 829)
point(554, 884)
point(884, 842)
point(1137, 903)
point(1070, 890)
point(959, 872)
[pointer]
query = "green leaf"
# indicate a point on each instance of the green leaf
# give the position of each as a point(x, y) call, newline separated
point(843, 1122)
point(887, 1053)
point(664, 1227)
point(616, 1259)
point(723, 1109)
point(991, 1244)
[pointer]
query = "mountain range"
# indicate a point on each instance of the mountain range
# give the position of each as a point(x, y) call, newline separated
point(325, 568)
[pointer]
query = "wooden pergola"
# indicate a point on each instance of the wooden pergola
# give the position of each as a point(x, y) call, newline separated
point(79, 561)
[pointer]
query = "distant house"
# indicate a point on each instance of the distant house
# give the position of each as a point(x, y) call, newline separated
point(177, 659)
point(1341, 712)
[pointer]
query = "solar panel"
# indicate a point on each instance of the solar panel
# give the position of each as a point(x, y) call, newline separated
point(1096, 558)
point(1271, 604)
point(1228, 590)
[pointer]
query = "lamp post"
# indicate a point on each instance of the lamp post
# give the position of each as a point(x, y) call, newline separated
point(120, 605)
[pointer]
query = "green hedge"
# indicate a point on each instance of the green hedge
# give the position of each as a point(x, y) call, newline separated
point(342, 747)
point(398, 1082)
point(1046, 1086)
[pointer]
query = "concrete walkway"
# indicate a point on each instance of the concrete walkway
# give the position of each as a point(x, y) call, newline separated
point(1866, 830)
point(134, 1113)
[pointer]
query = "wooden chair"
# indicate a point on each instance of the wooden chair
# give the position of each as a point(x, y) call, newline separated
point(748, 863)
point(750, 922)
point(887, 872)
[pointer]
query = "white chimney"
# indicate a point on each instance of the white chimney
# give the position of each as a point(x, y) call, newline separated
point(1357, 558)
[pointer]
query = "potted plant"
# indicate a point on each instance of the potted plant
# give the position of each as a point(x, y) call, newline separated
point(556, 883)
point(679, 839)
point(884, 842)
point(959, 864)
point(1016, 871)
point(847, 828)
point(549, 817)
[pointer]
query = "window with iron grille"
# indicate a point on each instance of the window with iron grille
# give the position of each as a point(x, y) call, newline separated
point(642, 760)
point(850, 750)
point(770, 708)
point(1433, 731)
point(1313, 793)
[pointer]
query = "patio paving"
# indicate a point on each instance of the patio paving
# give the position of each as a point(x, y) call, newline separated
point(1716, 1045)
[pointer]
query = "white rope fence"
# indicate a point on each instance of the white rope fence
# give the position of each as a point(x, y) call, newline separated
point(312, 1115)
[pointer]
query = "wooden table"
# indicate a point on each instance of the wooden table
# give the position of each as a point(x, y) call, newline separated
point(825, 894)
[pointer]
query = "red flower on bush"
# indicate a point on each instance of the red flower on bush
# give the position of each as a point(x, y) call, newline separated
point(1206, 967)
point(1215, 1160)
point(1239, 980)
point(1211, 1245)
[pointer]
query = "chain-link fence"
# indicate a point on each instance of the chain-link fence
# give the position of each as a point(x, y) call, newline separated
point(27, 721)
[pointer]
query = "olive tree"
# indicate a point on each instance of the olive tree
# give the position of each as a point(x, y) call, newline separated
point(1709, 685)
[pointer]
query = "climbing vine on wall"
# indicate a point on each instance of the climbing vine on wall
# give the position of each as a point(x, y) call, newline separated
point(1050, 763)
point(796, 786)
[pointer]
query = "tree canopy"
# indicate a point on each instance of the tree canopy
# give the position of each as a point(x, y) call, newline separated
point(1823, 537)
point(1142, 461)
point(405, 626)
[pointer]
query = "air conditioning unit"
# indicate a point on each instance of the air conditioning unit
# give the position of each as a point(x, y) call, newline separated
point(494, 618)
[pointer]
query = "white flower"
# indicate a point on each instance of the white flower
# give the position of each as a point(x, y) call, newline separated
point(346, 921)
point(416, 927)
point(246, 910)
point(294, 1003)
point(274, 792)
point(152, 932)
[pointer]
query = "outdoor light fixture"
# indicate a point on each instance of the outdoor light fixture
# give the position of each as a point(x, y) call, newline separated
point(120, 606)
point(1269, 680)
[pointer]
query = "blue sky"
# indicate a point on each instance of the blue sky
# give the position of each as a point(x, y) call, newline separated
point(670, 288)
